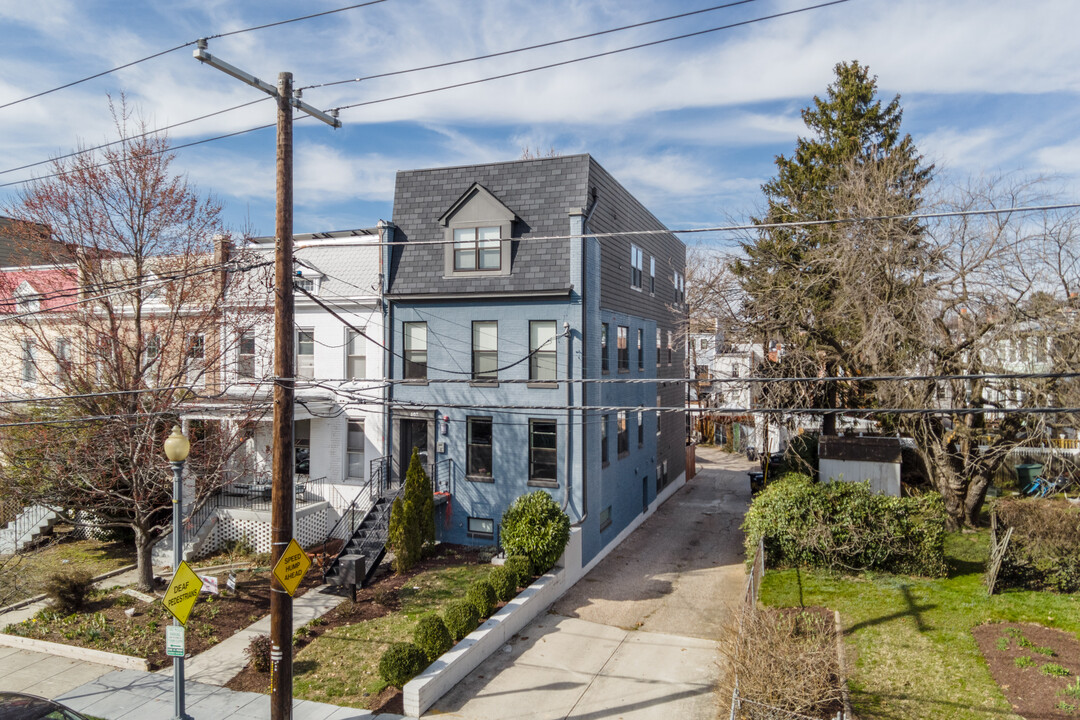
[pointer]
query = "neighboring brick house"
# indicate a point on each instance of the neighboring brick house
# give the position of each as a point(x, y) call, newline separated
point(519, 323)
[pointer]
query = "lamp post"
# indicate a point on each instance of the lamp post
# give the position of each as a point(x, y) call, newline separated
point(176, 450)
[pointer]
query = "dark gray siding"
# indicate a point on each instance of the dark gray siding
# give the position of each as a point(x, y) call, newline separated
point(618, 210)
point(540, 192)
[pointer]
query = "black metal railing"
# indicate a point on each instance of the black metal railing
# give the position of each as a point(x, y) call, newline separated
point(254, 493)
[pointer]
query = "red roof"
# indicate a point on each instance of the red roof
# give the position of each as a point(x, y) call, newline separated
point(54, 287)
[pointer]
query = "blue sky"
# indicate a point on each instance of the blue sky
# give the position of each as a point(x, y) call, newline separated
point(690, 127)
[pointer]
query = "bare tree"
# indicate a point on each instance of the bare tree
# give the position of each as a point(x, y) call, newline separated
point(124, 322)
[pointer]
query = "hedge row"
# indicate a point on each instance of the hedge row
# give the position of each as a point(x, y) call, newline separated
point(435, 635)
point(1044, 550)
point(844, 525)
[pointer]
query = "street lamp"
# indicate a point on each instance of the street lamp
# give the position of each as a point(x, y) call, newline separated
point(176, 450)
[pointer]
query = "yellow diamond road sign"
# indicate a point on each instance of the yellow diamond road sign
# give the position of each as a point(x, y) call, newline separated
point(182, 593)
point(292, 566)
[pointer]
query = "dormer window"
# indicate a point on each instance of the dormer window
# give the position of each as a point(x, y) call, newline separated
point(477, 230)
point(477, 248)
point(309, 283)
point(27, 299)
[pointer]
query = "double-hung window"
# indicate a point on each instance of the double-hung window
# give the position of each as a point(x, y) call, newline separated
point(670, 345)
point(640, 429)
point(245, 355)
point(305, 353)
point(485, 350)
point(29, 370)
point(603, 348)
point(355, 450)
point(196, 355)
point(624, 350)
point(652, 275)
point(415, 350)
point(542, 350)
point(640, 349)
point(659, 341)
point(63, 358)
point(637, 259)
point(543, 452)
point(355, 356)
point(478, 450)
point(623, 440)
point(603, 440)
point(477, 248)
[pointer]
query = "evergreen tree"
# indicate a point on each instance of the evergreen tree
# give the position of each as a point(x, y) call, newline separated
point(412, 517)
point(788, 274)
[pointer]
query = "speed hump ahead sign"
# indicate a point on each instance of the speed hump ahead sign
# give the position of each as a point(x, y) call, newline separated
point(183, 591)
point(292, 566)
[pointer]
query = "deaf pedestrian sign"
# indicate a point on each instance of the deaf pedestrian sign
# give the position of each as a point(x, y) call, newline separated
point(292, 566)
point(183, 592)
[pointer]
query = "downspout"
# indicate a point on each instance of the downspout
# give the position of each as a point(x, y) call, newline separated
point(386, 235)
point(569, 460)
point(581, 392)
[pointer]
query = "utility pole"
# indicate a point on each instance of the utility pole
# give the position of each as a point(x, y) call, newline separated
point(282, 497)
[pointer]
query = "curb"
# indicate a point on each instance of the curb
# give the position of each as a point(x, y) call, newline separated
point(39, 598)
point(124, 662)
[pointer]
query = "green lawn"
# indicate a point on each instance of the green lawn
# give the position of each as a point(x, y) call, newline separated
point(24, 575)
point(914, 655)
point(341, 666)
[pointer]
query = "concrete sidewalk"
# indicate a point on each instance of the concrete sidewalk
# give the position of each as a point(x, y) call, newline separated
point(635, 638)
point(135, 695)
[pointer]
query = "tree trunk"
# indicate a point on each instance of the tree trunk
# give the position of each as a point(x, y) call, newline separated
point(828, 423)
point(144, 547)
point(976, 496)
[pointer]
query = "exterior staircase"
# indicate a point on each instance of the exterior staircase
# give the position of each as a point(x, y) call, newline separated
point(27, 528)
point(367, 540)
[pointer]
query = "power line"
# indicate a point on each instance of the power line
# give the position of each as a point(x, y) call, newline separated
point(155, 131)
point(593, 56)
point(95, 298)
point(482, 80)
point(363, 333)
point(538, 46)
point(184, 45)
point(386, 74)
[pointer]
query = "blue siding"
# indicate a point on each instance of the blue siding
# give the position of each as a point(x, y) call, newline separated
point(449, 333)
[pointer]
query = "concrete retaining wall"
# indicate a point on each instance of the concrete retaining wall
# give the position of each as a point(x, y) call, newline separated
point(426, 688)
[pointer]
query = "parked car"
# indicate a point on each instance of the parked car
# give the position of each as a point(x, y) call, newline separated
point(19, 706)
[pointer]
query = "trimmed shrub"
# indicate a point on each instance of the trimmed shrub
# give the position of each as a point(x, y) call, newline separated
point(504, 581)
point(432, 636)
point(1044, 550)
point(69, 590)
point(461, 618)
point(482, 596)
point(412, 518)
point(521, 567)
point(258, 653)
point(401, 663)
point(843, 525)
point(535, 526)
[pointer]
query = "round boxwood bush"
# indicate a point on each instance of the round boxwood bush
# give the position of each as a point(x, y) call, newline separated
point(521, 567)
point(461, 618)
point(504, 580)
point(432, 636)
point(401, 663)
point(535, 526)
point(482, 595)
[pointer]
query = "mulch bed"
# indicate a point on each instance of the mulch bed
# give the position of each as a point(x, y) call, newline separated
point(1033, 694)
point(104, 625)
point(374, 601)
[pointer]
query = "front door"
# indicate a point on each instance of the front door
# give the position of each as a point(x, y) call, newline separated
point(414, 434)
